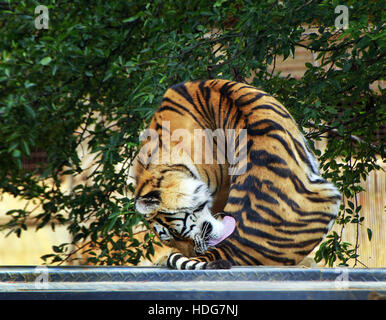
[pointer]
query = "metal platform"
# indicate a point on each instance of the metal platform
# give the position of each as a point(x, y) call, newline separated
point(144, 283)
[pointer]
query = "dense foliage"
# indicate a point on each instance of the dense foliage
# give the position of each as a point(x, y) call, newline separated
point(100, 69)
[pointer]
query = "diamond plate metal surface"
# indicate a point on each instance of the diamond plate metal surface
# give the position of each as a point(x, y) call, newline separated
point(160, 283)
point(114, 274)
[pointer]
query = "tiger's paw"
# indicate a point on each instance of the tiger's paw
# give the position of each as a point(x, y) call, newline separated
point(219, 264)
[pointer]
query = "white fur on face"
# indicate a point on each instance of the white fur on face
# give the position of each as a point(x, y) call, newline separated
point(195, 192)
point(206, 216)
point(186, 207)
point(144, 208)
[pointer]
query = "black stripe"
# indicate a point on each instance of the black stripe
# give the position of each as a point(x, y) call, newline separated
point(205, 92)
point(162, 223)
point(249, 145)
point(259, 233)
point(228, 252)
point(194, 265)
point(142, 186)
point(303, 252)
point(198, 188)
point(313, 213)
point(207, 179)
point(168, 216)
point(328, 199)
point(320, 180)
point(184, 167)
point(215, 253)
point(221, 175)
point(217, 181)
point(278, 217)
point(159, 127)
point(210, 105)
point(285, 145)
point(238, 117)
point(293, 205)
point(189, 112)
point(170, 108)
point(238, 101)
point(172, 260)
point(263, 158)
point(253, 185)
point(209, 256)
point(153, 152)
point(251, 214)
point(211, 83)
point(235, 118)
point(294, 245)
point(264, 251)
point(225, 89)
point(242, 255)
point(226, 118)
point(269, 122)
point(257, 194)
point(182, 90)
point(183, 265)
point(201, 206)
point(255, 98)
point(272, 108)
point(254, 216)
point(301, 152)
point(206, 115)
point(301, 231)
point(153, 194)
point(219, 111)
point(299, 186)
point(281, 172)
point(272, 126)
point(280, 107)
point(246, 87)
point(318, 220)
point(234, 143)
point(159, 181)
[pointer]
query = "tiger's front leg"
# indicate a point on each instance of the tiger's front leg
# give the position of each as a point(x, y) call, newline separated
point(177, 260)
point(204, 251)
point(207, 257)
point(176, 255)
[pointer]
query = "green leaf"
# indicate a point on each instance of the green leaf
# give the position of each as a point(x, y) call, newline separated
point(45, 61)
point(26, 148)
point(57, 249)
point(16, 153)
point(46, 256)
point(28, 84)
point(369, 234)
point(131, 19)
point(30, 111)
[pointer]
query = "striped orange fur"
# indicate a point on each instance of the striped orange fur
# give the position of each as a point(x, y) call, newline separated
point(281, 204)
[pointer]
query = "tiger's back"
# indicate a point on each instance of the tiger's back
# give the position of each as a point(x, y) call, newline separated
point(281, 204)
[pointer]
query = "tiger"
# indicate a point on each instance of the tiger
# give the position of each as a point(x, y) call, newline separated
point(270, 207)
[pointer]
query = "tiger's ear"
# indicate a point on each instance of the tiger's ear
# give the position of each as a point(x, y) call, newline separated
point(148, 203)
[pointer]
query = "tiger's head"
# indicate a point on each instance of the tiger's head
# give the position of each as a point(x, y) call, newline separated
point(178, 205)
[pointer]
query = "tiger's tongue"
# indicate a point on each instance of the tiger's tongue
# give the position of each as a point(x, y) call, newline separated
point(229, 224)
